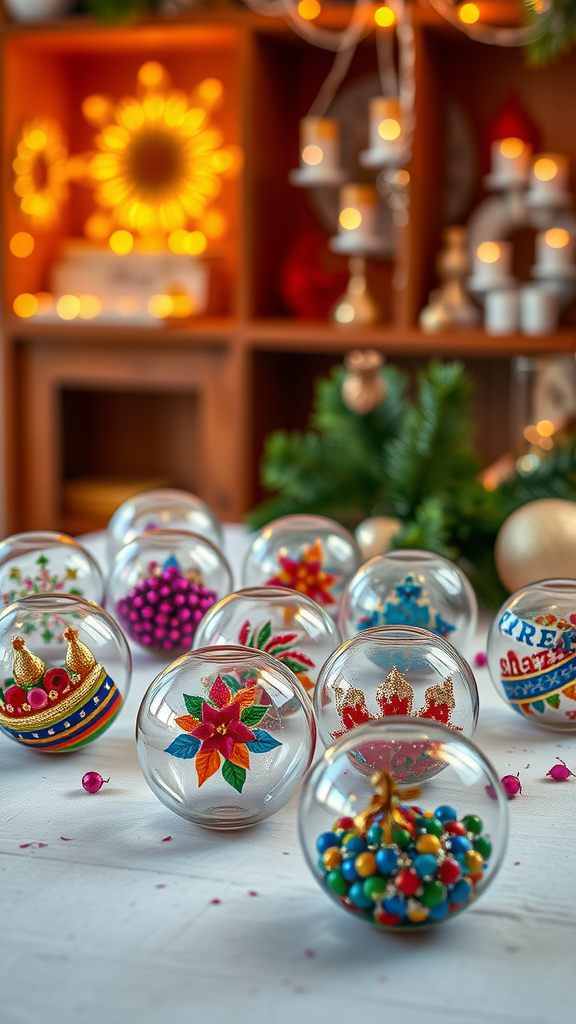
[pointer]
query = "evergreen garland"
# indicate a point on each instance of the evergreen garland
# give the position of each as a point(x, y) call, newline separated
point(415, 461)
point(556, 21)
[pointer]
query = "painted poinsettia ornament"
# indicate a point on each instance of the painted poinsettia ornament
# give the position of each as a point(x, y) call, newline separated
point(285, 624)
point(225, 735)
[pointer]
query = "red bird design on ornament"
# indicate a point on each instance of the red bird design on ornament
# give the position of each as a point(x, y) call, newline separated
point(395, 696)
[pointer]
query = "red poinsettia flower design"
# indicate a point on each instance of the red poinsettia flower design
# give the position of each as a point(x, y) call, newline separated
point(306, 575)
point(221, 728)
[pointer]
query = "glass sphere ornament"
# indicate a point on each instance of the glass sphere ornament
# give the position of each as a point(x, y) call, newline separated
point(163, 509)
point(162, 583)
point(401, 857)
point(410, 588)
point(47, 563)
point(532, 653)
point(390, 671)
point(65, 670)
point(291, 627)
point(225, 735)
point(310, 554)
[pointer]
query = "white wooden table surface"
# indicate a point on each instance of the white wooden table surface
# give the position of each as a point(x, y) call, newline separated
point(108, 923)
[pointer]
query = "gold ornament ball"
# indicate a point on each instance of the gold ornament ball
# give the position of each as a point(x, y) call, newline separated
point(537, 542)
point(374, 536)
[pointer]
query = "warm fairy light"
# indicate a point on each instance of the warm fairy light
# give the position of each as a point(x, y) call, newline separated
point(557, 238)
point(41, 172)
point(344, 313)
point(384, 17)
point(214, 224)
point(468, 14)
point(177, 241)
point(98, 109)
point(159, 161)
point(97, 226)
point(312, 155)
point(90, 307)
point(25, 305)
point(545, 428)
point(546, 443)
point(403, 178)
point(309, 9)
point(161, 306)
point(121, 242)
point(45, 302)
point(182, 306)
point(389, 129)
point(196, 243)
point(511, 148)
point(531, 434)
point(22, 244)
point(488, 252)
point(68, 307)
point(350, 218)
point(545, 169)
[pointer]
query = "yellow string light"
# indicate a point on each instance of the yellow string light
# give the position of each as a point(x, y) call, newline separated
point(22, 244)
point(309, 9)
point(350, 218)
point(469, 14)
point(40, 170)
point(25, 305)
point(384, 17)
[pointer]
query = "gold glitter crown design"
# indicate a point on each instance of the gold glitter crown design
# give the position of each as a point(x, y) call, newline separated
point(26, 667)
point(394, 696)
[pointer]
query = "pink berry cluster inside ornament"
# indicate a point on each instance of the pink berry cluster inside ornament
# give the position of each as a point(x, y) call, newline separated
point(163, 610)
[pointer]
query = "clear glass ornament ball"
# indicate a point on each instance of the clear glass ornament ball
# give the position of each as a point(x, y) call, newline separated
point(532, 653)
point(403, 858)
point(47, 563)
point(162, 583)
point(310, 554)
point(410, 588)
point(162, 509)
point(225, 735)
point(65, 670)
point(291, 627)
point(395, 670)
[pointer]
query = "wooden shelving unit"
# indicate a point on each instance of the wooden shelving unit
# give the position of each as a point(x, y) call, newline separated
point(218, 384)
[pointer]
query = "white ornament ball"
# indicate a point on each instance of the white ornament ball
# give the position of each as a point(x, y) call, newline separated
point(538, 541)
point(374, 535)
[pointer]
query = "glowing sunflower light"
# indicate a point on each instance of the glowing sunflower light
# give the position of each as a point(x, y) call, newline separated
point(41, 173)
point(159, 161)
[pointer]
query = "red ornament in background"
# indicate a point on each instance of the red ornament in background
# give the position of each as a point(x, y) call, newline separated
point(510, 121)
point(310, 282)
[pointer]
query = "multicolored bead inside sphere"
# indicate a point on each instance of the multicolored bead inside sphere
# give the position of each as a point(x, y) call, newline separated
point(420, 869)
point(163, 610)
point(532, 653)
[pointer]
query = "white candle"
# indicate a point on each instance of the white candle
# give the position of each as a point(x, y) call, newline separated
point(319, 146)
point(357, 218)
point(554, 249)
point(510, 161)
point(501, 311)
point(385, 129)
point(548, 175)
point(538, 309)
point(492, 263)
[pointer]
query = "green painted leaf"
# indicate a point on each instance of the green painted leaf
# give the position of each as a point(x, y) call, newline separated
point(264, 634)
point(293, 664)
point(538, 705)
point(235, 776)
point(252, 715)
point(554, 700)
point(262, 742)
point(184, 747)
point(193, 705)
point(231, 682)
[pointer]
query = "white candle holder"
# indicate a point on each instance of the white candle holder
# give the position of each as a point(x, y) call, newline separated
point(509, 164)
point(501, 311)
point(319, 154)
point(538, 309)
point(357, 223)
point(491, 267)
point(387, 145)
point(548, 182)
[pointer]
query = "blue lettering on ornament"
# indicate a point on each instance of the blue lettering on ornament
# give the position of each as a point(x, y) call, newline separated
point(525, 633)
point(547, 638)
point(511, 626)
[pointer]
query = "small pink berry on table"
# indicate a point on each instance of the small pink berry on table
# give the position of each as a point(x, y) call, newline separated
point(93, 781)
point(560, 772)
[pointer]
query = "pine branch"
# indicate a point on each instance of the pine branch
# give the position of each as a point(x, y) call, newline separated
point(556, 30)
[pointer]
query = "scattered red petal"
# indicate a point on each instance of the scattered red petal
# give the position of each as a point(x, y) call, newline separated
point(286, 853)
point(23, 846)
point(309, 952)
point(160, 886)
point(215, 901)
point(252, 892)
point(40, 845)
point(166, 839)
point(516, 863)
point(65, 839)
